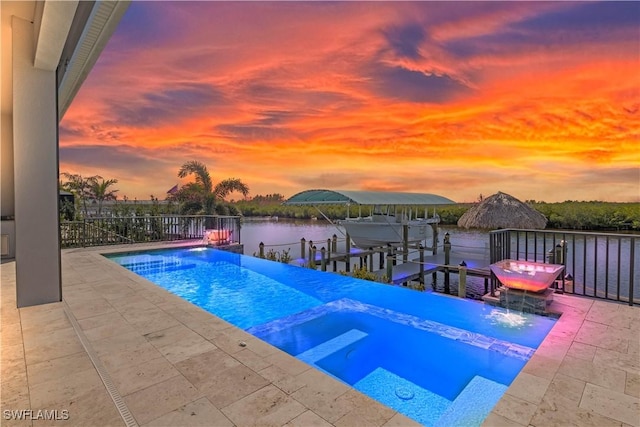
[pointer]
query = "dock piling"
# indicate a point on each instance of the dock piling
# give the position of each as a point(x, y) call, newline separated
point(405, 243)
point(303, 254)
point(261, 246)
point(312, 257)
point(462, 273)
point(347, 260)
point(421, 250)
point(323, 261)
point(434, 245)
point(447, 257)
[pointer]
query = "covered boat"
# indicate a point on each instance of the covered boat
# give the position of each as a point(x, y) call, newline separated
point(391, 211)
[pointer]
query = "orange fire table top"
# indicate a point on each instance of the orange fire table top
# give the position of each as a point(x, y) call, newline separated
point(526, 275)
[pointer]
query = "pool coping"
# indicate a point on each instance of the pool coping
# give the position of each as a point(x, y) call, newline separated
point(586, 371)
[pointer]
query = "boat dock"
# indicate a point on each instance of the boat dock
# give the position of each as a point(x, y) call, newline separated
point(416, 269)
point(395, 265)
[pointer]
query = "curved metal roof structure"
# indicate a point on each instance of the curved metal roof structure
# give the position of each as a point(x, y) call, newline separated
point(343, 197)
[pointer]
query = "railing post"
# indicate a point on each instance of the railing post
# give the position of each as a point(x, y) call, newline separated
point(493, 285)
point(632, 257)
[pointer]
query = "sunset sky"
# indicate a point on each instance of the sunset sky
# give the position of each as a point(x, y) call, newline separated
point(539, 100)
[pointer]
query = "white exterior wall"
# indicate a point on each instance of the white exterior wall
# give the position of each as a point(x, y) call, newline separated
point(35, 155)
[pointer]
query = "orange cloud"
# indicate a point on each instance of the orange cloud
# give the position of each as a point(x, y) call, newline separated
point(451, 98)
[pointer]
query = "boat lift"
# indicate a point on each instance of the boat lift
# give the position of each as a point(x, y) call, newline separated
point(380, 230)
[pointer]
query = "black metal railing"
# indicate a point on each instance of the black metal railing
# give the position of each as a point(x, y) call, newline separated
point(600, 265)
point(119, 230)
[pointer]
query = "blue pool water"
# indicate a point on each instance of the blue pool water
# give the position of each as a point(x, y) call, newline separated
point(437, 359)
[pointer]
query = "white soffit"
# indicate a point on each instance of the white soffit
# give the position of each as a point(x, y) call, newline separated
point(54, 20)
point(103, 21)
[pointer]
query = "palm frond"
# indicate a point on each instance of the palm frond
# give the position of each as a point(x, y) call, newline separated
point(224, 188)
point(199, 170)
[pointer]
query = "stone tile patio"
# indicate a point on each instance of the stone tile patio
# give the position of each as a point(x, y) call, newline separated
point(173, 364)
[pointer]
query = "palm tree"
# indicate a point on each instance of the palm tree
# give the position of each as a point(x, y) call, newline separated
point(99, 190)
point(79, 186)
point(201, 196)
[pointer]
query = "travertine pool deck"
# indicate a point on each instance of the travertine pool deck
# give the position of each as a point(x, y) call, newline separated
point(173, 364)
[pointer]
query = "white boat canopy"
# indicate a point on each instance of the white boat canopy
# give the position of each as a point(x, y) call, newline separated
point(342, 197)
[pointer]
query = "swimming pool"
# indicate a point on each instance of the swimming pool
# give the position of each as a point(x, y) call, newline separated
point(437, 359)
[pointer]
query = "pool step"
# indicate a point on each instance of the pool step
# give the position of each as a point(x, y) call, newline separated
point(319, 352)
point(473, 404)
point(156, 266)
point(404, 396)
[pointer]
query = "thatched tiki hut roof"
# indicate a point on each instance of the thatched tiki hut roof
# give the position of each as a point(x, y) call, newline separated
point(502, 211)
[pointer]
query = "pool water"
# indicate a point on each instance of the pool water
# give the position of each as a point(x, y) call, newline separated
point(437, 359)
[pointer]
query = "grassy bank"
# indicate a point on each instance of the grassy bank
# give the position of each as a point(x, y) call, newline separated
point(564, 215)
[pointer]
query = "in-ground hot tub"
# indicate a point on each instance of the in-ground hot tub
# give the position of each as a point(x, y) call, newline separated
point(526, 275)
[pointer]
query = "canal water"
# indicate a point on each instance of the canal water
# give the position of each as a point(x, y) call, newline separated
point(600, 266)
point(283, 235)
